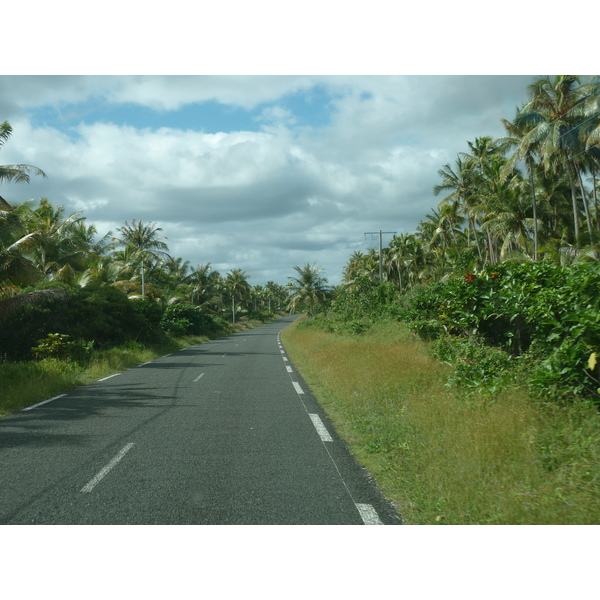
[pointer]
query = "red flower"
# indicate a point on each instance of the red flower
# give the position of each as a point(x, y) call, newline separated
point(470, 277)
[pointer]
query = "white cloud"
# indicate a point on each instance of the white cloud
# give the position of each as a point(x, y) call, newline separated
point(260, 200)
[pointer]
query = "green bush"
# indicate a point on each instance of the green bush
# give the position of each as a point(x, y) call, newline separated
point(475, 365)
point(57, 345)
point(428, 329)
point(366, 299)
point(186, 319)
point(102, 314)
point(542, 311)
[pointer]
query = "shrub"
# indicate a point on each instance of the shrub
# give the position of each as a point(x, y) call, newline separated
point(100, 313)
point(474, 364)
point(428, 330)
point(542, 311)
point(56, 345)
point(186, 319)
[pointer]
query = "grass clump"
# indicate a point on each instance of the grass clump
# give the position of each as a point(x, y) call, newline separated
point(444, 454)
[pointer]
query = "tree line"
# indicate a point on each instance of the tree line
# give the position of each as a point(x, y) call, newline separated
point(42, 246)
point(529, 195)
point(503, 277)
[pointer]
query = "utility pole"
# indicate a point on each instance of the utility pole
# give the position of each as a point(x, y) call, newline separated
point(380, 250)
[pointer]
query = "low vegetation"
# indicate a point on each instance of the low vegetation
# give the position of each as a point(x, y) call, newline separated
point(60, 364)
point(441, 453)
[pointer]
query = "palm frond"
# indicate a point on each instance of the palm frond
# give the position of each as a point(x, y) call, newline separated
point(12, 306)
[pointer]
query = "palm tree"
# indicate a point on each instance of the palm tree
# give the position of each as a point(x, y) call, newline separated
point(276, 294)
point(508, 220)
point(146, 243)
point(15, 267)
point(16, 270)
point(204, 286)
point(461, 181)
point(524, 151)
point(238, 288)
point(551, 120)
point(355, 267)
point(59, 240)
point(15, 173)
point(308, 289)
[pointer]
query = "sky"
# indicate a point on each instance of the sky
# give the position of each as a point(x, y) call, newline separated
point(258, 172)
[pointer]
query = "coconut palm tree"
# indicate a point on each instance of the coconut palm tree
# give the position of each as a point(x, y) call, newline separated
point(15, 173)
point(59, 240)
point(308, 289)
point(205, 287)
point(552, 119)
point(145, 242)
point(16, 269)
point(276, 294)
point(461, 181)
point(355, 268)
point(238, 288)
point(526, 152)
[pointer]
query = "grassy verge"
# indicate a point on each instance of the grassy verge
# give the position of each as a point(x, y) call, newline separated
point(25, 383)
point(444, 457)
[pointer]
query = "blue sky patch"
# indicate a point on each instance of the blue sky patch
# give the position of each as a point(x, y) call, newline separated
point(308, 109)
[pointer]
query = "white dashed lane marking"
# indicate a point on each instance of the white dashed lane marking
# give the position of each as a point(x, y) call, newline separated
point(94, 481)
point(44, 402)
point(321, 429)
point(368, 514)
point(105, 378)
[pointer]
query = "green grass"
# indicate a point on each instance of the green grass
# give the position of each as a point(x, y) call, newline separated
point(442, 456)
point(25, 383)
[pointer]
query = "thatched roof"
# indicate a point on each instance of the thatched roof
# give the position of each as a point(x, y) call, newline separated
point(4, 205)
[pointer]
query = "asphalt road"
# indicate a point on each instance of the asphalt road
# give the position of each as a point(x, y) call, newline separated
point(225, 432)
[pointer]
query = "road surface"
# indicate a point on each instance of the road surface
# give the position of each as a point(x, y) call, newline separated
point(225, 432)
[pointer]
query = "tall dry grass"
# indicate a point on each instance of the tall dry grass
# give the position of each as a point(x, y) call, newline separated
point(442, 456)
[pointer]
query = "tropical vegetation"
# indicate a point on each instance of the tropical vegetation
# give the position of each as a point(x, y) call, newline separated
point(509, 258)
point(467, 366)
point(466, 375)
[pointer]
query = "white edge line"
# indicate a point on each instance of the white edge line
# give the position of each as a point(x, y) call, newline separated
point(146, 363)
point(368, 514)
point(321, 429)
point(94, 481)
point(289, 369)
point(105, 378)
point(297, 387)
point(44, 402)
